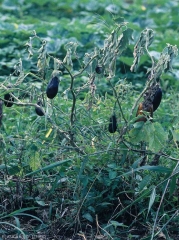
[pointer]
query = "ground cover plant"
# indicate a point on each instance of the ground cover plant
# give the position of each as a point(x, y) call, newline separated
point(89, 128)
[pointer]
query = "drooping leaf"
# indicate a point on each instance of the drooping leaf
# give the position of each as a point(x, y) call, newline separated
point(145, 40)
point(124, 41)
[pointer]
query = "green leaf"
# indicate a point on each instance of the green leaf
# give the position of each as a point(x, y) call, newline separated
point(35, 162)
point(84, 180)
point(157, 137)
point(152, 199)
point(88, 217)
point(127, 60)
point(138, 124)
point(175, 134)
point(172, 185)
point(104, 204)
point(14, 169)
point(40, 2)
point(136, 163)
point(17, 222)
point(160, 169)
point(151, 133)
point(18, 229)
point(112, 165)
point(112, 174)
point(145, 181)
point(117, 224)
point(48, 167)
point(32, 216)
point(138, 133)
point(126, 36)
point(41, 203)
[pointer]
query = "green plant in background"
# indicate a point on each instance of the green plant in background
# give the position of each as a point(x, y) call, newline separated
point(74, 157)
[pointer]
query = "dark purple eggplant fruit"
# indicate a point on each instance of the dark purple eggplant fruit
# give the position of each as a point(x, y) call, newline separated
point(38, 110)
point(52, 87)
point(99, 69)
point(157, 99)
point(112, 124)
point(10, 100)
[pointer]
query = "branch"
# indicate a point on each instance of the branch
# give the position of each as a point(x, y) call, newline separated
point(72, 83)
point(115, 93)
point(85, 67)
point(21, 103)
point(66, 135)
point(73, 96)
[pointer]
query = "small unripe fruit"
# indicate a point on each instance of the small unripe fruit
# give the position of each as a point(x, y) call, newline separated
point(9, 98)
point(99, 69)
point(52, 87)
point(38, 110)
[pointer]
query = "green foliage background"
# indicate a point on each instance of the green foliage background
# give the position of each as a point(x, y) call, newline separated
point(41, 171)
